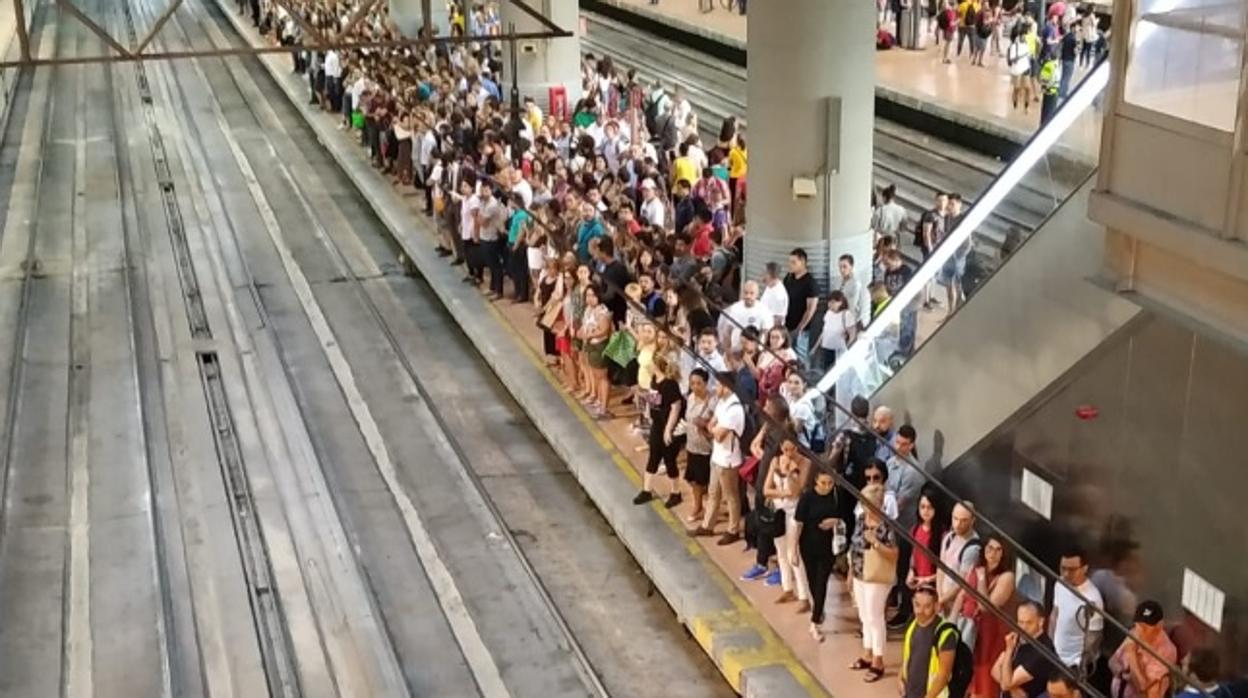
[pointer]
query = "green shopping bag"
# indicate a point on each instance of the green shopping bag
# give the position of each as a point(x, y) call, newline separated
point(357, 119)
point(621, 348)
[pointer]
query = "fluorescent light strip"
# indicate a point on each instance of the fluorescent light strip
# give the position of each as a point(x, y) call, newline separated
point(1045, 138)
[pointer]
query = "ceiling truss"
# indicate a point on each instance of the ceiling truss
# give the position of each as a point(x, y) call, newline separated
point(313, 38)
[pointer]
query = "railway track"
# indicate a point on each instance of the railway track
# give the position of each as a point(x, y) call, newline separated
point(916, 164)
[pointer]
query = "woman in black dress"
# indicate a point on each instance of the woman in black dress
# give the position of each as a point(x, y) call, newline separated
point(816, 521)
point(666, 410)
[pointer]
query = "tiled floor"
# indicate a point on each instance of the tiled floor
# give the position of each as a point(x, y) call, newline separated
point(981, 93)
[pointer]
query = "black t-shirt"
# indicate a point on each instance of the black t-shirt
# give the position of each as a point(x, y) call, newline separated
point(1070, 46)
point(616, 276)
point(812, 508)
point(800, 291)
point(922, 639)
point(937, 220)
point(669, 399)
point(895, 279)
point(1036, 665)
point(699, 319)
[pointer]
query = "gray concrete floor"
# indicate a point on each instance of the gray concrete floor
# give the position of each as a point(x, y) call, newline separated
point(243, 454)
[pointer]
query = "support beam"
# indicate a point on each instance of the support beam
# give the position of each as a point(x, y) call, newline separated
point(426, 16)
point(314, 35)
point(534, 13)
point(356, 18)
point(160, 23)
point(96, 29)
point(261, 50)
point(23, 37)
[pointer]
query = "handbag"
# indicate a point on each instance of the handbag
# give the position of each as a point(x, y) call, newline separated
point(552, 313)
point(771, 521)
point(621, 348)
point(878, 569)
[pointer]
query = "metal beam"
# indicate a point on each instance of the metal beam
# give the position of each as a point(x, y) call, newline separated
point(23, 37)
point(308, 30)
point(535, 14)
point(160, 23)
point(426, 16)
point(356, 18)
point(89, 23)
point(260, 50)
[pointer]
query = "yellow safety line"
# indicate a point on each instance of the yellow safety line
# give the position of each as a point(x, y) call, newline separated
point(703, 627)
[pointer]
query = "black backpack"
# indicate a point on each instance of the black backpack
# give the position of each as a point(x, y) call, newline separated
point(963, 662)
point(859, 451)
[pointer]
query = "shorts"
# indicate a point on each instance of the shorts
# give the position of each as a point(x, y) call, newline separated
point(563, 346)
point(594, 353)
point(952, 271)
point(698, 469)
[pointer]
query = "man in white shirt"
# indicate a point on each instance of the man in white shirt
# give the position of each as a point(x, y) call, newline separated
point(708, 356)
point(469, 204)
point(747, 312)
point(1076, 630)
point(653, 212)
point(333, 80)
point(775, 297)
point(726, 427)
point(855, 292)
point(521, 186)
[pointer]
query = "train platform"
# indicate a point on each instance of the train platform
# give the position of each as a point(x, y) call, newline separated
point(763, 648)
point(960, 95)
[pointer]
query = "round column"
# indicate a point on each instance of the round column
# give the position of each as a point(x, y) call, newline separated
point(409, 16)
point(811, 99)
point(544, 63)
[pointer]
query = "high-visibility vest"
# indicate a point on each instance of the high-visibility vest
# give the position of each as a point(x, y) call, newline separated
point(933, 662)
point(1050, 76)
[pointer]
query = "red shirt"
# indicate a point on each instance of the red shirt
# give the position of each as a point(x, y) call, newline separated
point(702, 245)
point(923, 565)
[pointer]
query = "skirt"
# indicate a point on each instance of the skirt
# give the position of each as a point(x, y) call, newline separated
point(537, 258)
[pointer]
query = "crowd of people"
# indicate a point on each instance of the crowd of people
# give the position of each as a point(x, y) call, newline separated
point(1042, 46)
point(623, 232)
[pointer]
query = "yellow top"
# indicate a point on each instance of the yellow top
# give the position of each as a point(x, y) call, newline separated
point(736, 162)
point(645, 365)
point(684, 168)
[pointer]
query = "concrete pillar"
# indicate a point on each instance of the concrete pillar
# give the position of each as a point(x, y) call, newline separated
point(801, 61)
point(543, 63)
point(409, 16)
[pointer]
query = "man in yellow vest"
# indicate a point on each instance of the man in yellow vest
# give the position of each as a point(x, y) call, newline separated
point(928, 651)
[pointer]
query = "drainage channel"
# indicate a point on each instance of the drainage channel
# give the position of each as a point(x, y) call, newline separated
point(197, 317)
point(271, 629)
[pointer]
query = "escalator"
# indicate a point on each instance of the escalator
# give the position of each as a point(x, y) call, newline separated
point(1030, 313)
point(1072, 415)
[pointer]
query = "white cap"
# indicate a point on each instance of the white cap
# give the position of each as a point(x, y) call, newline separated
point(647, 183)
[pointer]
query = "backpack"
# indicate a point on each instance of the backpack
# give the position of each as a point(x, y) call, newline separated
point(860, 450)
point(963, 661)
point(944, 20)
point(817, 437)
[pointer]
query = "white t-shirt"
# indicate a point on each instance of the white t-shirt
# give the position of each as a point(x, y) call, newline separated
point(756, 315)
point(653, 211)
point(835, 329)
point(776, 300)
point(525, 190)
point(1018, 57)
point(466, 223)
point(729, 414)
point(1068, 632)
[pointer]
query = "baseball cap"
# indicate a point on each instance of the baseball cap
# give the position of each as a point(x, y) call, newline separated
point(1148, 613)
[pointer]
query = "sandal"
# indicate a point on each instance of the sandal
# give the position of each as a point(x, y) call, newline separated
point(873, 674)
point(859, 665)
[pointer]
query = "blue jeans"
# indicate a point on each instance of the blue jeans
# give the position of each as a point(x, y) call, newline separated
point(801, 346)
point(1068, 72)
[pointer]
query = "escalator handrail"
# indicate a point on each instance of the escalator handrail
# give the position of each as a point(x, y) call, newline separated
point(1037, 147)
